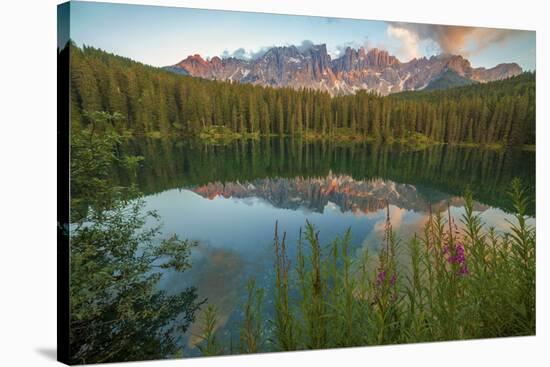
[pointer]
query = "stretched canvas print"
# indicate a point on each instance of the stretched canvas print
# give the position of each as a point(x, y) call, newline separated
point(236, 182)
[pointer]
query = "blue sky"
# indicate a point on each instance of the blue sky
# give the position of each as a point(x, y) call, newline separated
point(165, 35)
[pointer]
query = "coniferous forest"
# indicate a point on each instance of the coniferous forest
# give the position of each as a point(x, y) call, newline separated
point(155, 101)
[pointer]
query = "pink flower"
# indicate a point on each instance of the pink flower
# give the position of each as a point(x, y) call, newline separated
point(457, 257)
point(381, 278)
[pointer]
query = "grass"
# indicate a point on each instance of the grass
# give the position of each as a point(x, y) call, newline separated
point(417, 141)
point(154, 135)
point(491, 146)
point(458, 281)
point(220, 135)
point(223, 135)
point(338, 135)
point(412, 140)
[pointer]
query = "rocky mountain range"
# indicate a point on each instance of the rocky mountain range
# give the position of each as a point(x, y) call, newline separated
point(374, 70)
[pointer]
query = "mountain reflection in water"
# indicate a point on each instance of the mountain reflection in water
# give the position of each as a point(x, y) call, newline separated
point(315, 194)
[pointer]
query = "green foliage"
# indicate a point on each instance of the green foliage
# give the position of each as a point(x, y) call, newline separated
point(522, 246)
point(285, 332)
point(117, 312)
point(156, 101)
point(92, 156)
point(252, 333)
point(221, 134)
point(208, 343)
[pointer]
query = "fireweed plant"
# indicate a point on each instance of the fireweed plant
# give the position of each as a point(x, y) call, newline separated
point(455, 281)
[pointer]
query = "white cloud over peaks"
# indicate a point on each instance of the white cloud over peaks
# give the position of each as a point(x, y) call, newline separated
point(408, 42)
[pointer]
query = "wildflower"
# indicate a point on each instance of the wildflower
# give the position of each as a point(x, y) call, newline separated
point(392, 279)
point(458, 257)
point(386, 286)
point(381, 277)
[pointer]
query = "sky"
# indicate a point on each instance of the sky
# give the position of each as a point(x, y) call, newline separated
point(163, 36)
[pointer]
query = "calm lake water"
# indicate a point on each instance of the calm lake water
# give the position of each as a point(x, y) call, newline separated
point(229, 197)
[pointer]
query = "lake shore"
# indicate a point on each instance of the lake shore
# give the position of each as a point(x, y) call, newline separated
point(221, 135)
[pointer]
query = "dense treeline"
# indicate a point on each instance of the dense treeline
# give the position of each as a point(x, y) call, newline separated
point(154, 100)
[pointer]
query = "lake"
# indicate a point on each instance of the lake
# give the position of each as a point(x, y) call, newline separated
point(228, 197)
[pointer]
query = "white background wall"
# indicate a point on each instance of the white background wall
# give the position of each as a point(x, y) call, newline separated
point(28, 182)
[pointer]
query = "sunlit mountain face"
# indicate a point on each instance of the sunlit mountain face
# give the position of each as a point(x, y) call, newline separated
point(356, 70)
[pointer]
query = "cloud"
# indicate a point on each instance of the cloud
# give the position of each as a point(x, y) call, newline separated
point(409, 42)
point(450, 39)
point(366, 43)
point(244, 54)
point(239, 53)
point(488, 36)
point(340, 49)
point(306, 45)
point(404, 223)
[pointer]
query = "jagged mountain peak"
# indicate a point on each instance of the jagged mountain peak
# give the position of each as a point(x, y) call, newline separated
point(311, 66)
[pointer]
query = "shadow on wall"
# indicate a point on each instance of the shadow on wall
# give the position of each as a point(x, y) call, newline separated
point(49, 353)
